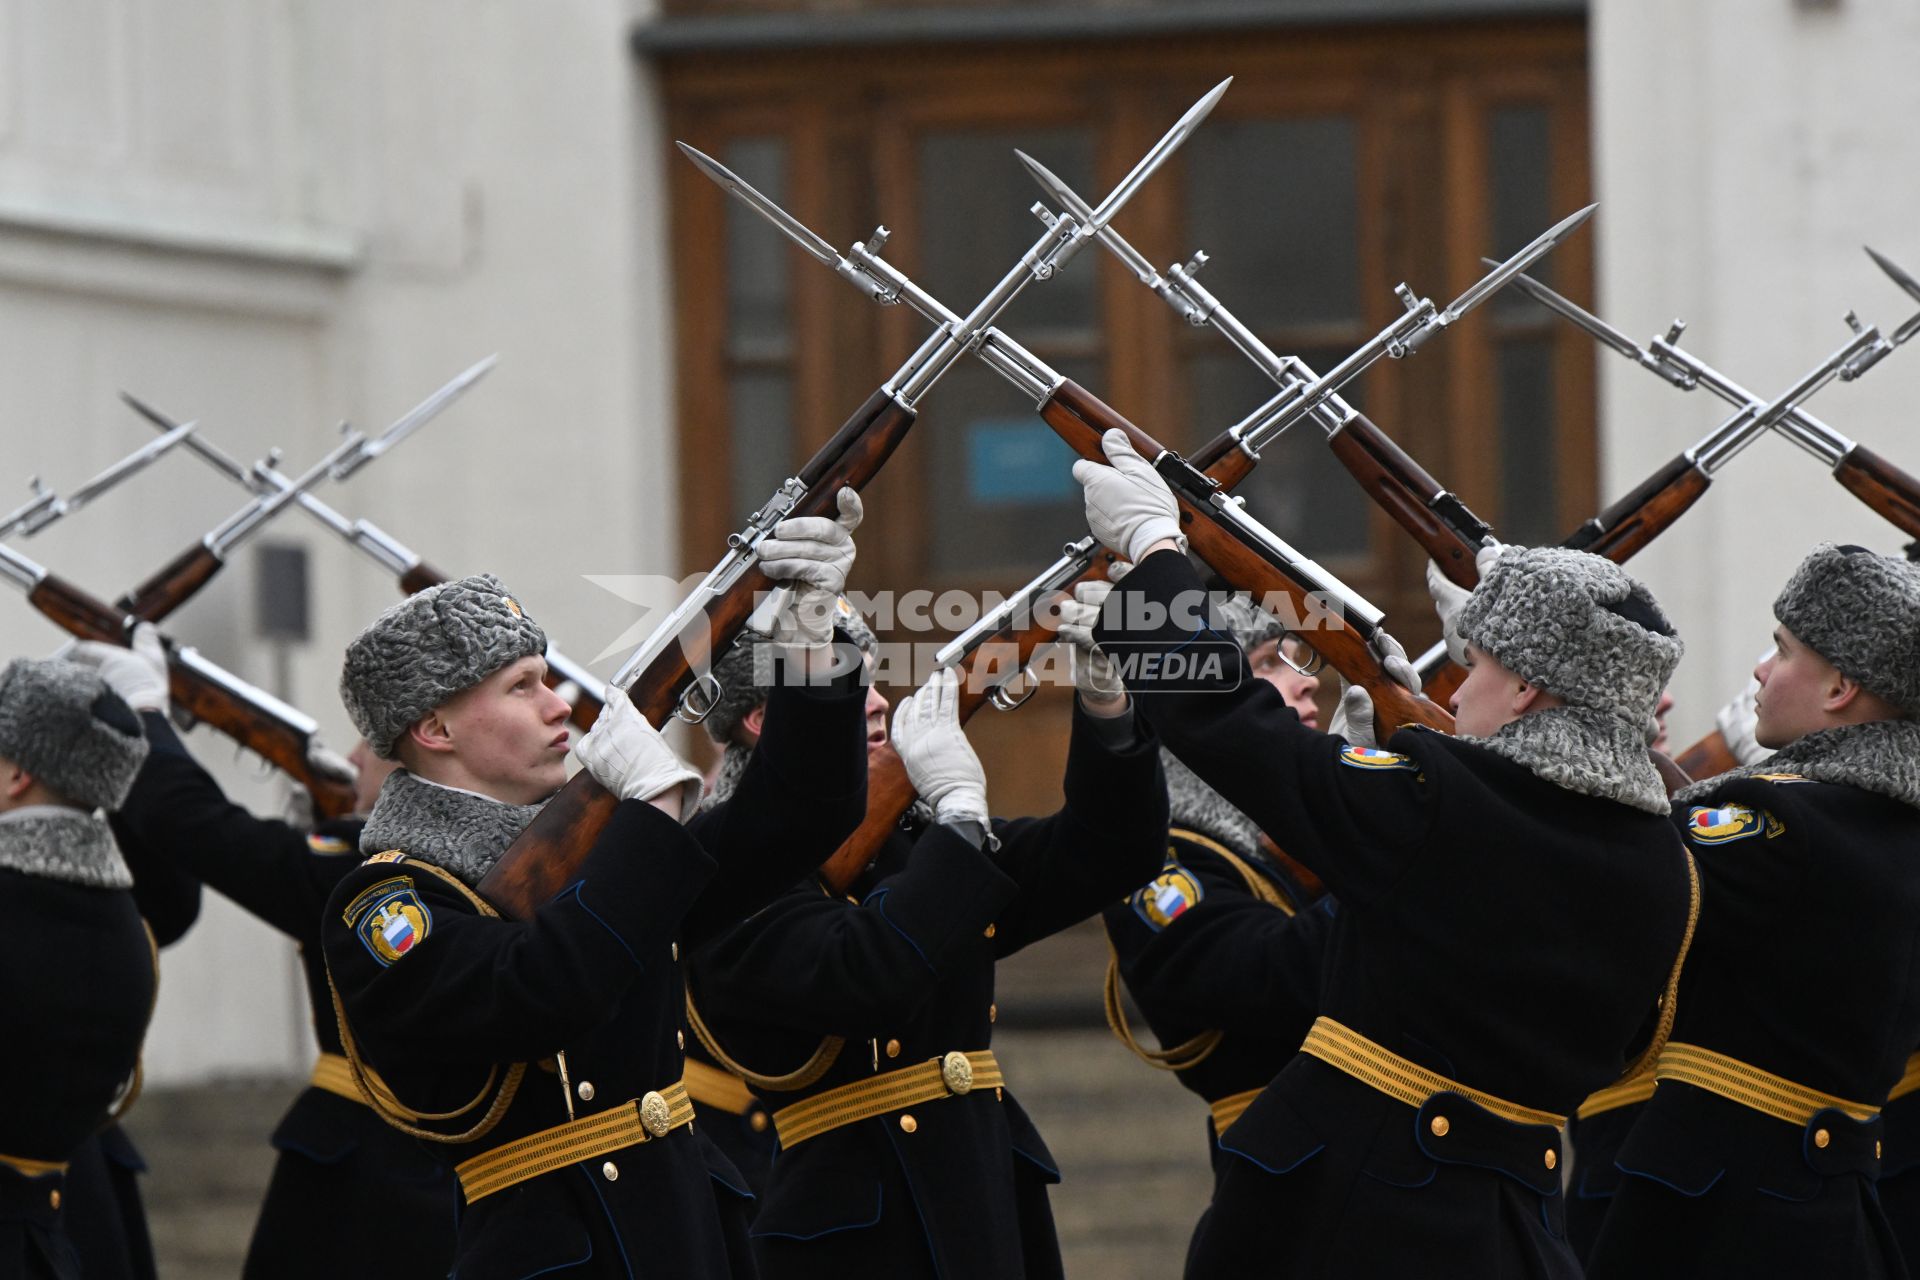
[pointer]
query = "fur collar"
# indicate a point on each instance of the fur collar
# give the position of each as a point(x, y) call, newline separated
point(1199, 808)
point(1881, 756)
point(1592, 753)
point(459, 831)
point(58, 843)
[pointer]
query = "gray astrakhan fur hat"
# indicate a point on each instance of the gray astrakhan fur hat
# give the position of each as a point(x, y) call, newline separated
point(746, 671)
point(1861, 612)
point(1576, 625)
point(62, 723)
point(1251, 625)
point(427, 648)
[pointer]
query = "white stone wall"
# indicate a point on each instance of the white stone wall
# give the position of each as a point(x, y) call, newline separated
point(1744, 151)
point(272, 217)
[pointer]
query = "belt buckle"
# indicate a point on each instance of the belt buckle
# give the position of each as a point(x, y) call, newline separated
point(656, 1117)
point(956, 1072)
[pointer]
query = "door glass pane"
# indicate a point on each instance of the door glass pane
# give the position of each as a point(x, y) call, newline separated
point(1276, 201)
point(759, 331)
point(1520, 202)
point(1529, 510)
point(974, 201)
point(1299, 490)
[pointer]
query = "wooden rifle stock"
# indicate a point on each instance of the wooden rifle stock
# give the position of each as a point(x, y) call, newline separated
point(1404, 490)
point(889, 791)
point(1882, 486)
point(420, 577)
point(275, 741)
point(173, 585)
point(1620, 531)
point(547, 855)
point(1080, 418)
point(1708, 758)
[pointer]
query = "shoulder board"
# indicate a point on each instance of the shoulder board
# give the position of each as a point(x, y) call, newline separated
point(1781, 777)
point(1167, 896)
point(1723, 825)
point(391, 855)
point(1374, 758)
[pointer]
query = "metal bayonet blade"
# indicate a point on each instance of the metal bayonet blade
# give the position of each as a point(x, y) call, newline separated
point(739, 188)
point(1070, 200)
point(1491, 283)
point(1895, 271)
point(417, 417)
point(1573, 311)
point(127, 466)
point(1157, 156)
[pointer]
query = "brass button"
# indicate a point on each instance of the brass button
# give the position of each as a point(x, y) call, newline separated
point(610, 1171)
point(956, 1072)
point(999, 1094)
point(1821, 1138)
point(1440, 1126)
point(585, 1091)
point(656, 1117)
point(1553, 1157)
point(993, 1013)
point(53, 1198)
point(893, 1048)
point(1876, 1148)
point(680, 1038)
point(758, 1122)
point(908, 1124)
point(675, 949)
point(990, 931)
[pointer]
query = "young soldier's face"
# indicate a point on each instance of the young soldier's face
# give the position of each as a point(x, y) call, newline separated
point(1488, 698)
point(509, 734)
point(1795, 684)
point(1296, 690)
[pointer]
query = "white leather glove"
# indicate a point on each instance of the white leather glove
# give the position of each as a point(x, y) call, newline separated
point(1393, 660)
point(1094, 674)
point(1129, 507)
point(813, 555)
point(1448, 599)
point(138, 673)
point(1737, 722)
point(1353, 717)
point(940, 762)
point(626, 755)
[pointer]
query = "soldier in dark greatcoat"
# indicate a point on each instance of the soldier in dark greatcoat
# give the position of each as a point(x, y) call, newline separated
point(1482, 976)
point(1221, 951)
point(339, 1162)
point(77, 969)
point(545, 1055)
point(1758, 1151)
point(863, 1018)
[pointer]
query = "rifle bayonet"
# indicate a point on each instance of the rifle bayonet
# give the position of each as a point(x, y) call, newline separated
point(47, 506)
point(413, 419)
point(1899, 276)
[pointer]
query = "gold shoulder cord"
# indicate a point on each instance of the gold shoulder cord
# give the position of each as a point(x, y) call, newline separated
point(799, 1078)
point(382, 1098)
point(1670, 999)
point(1190, 1053)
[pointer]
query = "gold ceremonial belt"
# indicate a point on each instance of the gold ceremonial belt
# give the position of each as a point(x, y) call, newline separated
point(1909, 1082)
point(1409, 1082)
point(1749, 1086)
point(632, 1122)
point(1615, 1096)
point(1228, 1109)
point(33, 1168)
point(711, 1087)
point(334, 1073)
point(949, 1076)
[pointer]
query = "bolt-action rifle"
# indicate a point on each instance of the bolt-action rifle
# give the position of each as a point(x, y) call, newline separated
point(670, 673)
point(254, 718)
point(46, 506)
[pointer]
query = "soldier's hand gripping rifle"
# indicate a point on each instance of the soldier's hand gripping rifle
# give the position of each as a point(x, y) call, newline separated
point(252, 717)
point(414, 573)
point(1438, 520)
point(669, 674)
point(46, 506)
point(1239, 548)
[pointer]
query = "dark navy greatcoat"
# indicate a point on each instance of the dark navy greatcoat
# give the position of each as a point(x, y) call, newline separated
point(339, 1163)
point(902, 969)
point(596, 973)
point(1479, 934)
point(77, 985)
point(1806, 965)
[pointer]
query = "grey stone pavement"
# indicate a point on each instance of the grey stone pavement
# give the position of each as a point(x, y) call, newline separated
point(1130, 1141)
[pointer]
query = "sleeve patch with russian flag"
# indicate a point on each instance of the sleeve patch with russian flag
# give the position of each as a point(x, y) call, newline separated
point(1374, 758)
point(389, 919)
point(318, 843)
point(1729, 823)
point(1171, 894)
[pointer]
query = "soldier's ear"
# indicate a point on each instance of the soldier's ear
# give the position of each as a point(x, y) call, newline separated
point(14, 781)
point(431, 733)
